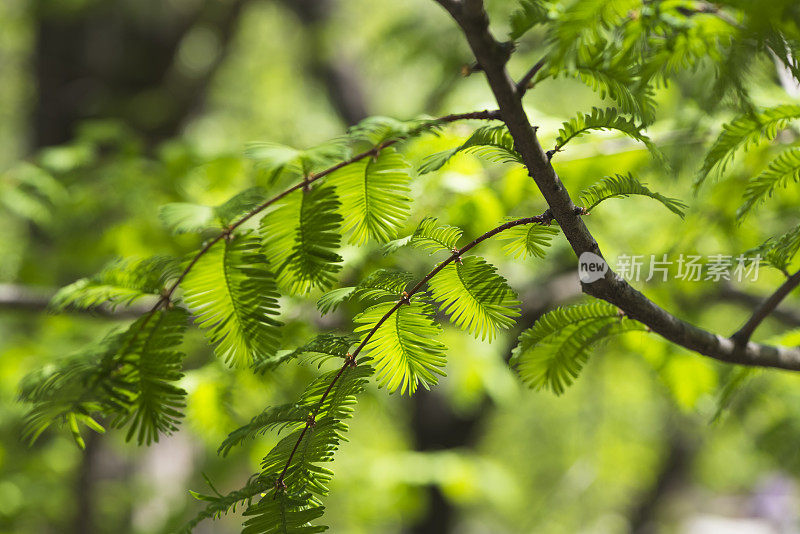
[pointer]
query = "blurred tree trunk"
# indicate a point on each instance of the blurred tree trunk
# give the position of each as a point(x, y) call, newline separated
point(113, 59)
point(345, 90)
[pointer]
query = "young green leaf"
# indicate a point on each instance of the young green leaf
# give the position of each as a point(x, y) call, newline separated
point(530, 13)
point(150, 370)
point(183, 218)
point(783, 169)
point(620, 186)
point(301, 238)
point(278, 160)
point(120, 283)
point(381, 284)
point(553, 351)
point(604, 119)
point(234, 296)
point(475, 297)
point(778, 252)
point(743, 132)
point(402, 349)
point(428, 236)
point(491, 142)
point(527, 240)
point(130, 377)
point(374, 196)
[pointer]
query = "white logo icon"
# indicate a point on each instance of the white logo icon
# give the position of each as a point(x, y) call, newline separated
point(591, 267)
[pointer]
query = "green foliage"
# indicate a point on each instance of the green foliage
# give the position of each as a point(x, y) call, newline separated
point(30, 192)
point(182, 217)
point(778, 252)
point(604, 119)
point(279, 160)
point(475, 297)
point(428, 236)
point(273, 418)
point(321, 349)
point(785, 167)
point(530, 13)
point(279, 512)
point(374, 196)
point(377, 130)
point(491, 142)
point(222, 504)
point(402, 349)
point(130, 377)
point(380, 285)
point(618, 83)
point(120, 283)
point(744, 132)
point(527, 240)
point(287, 509)
point(553, 351)
point(301, 238)
point(146, 369)
point(234, 296)
point(737, 379)
point(622, 49)
point(619, 186)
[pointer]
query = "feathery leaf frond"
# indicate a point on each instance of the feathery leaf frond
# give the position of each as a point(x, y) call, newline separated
point(428, 236)
point(279, 512)
point(183, 218)
point(491, 142)
point(530, 13)
point(778, 252)
point(475, 297)
point(130, 377)
point(148, 374)
point(403, 350)
point(618, 186)
point(784, 168)
point(744, 132)
point(121, 282)
point(381, 284)
point(291, 505)
point(527, 240)
point(277, 159)
point(618, 83)
point(273, 418)
point(553, 351)
point(219, 505)
point(234, 296)
point(604, 119)
point(334, 298)
point(301, 238)
point(321, 349)
point(374, 196)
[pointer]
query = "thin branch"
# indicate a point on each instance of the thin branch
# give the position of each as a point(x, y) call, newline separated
point(525, 82)
point(788, 316)
point(18, 297)
point(612, 288)
point(374, 151)
point(743, 335)
point(351, 360)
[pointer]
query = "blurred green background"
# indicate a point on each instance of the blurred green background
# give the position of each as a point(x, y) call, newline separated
point(110, 108)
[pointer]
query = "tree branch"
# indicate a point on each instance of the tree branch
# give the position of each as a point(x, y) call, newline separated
point(308, 180)
point(17, 297)
point(525, 82)
point(787, 316)
point(742, 336)
point(352, 358)
point(612, 288)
